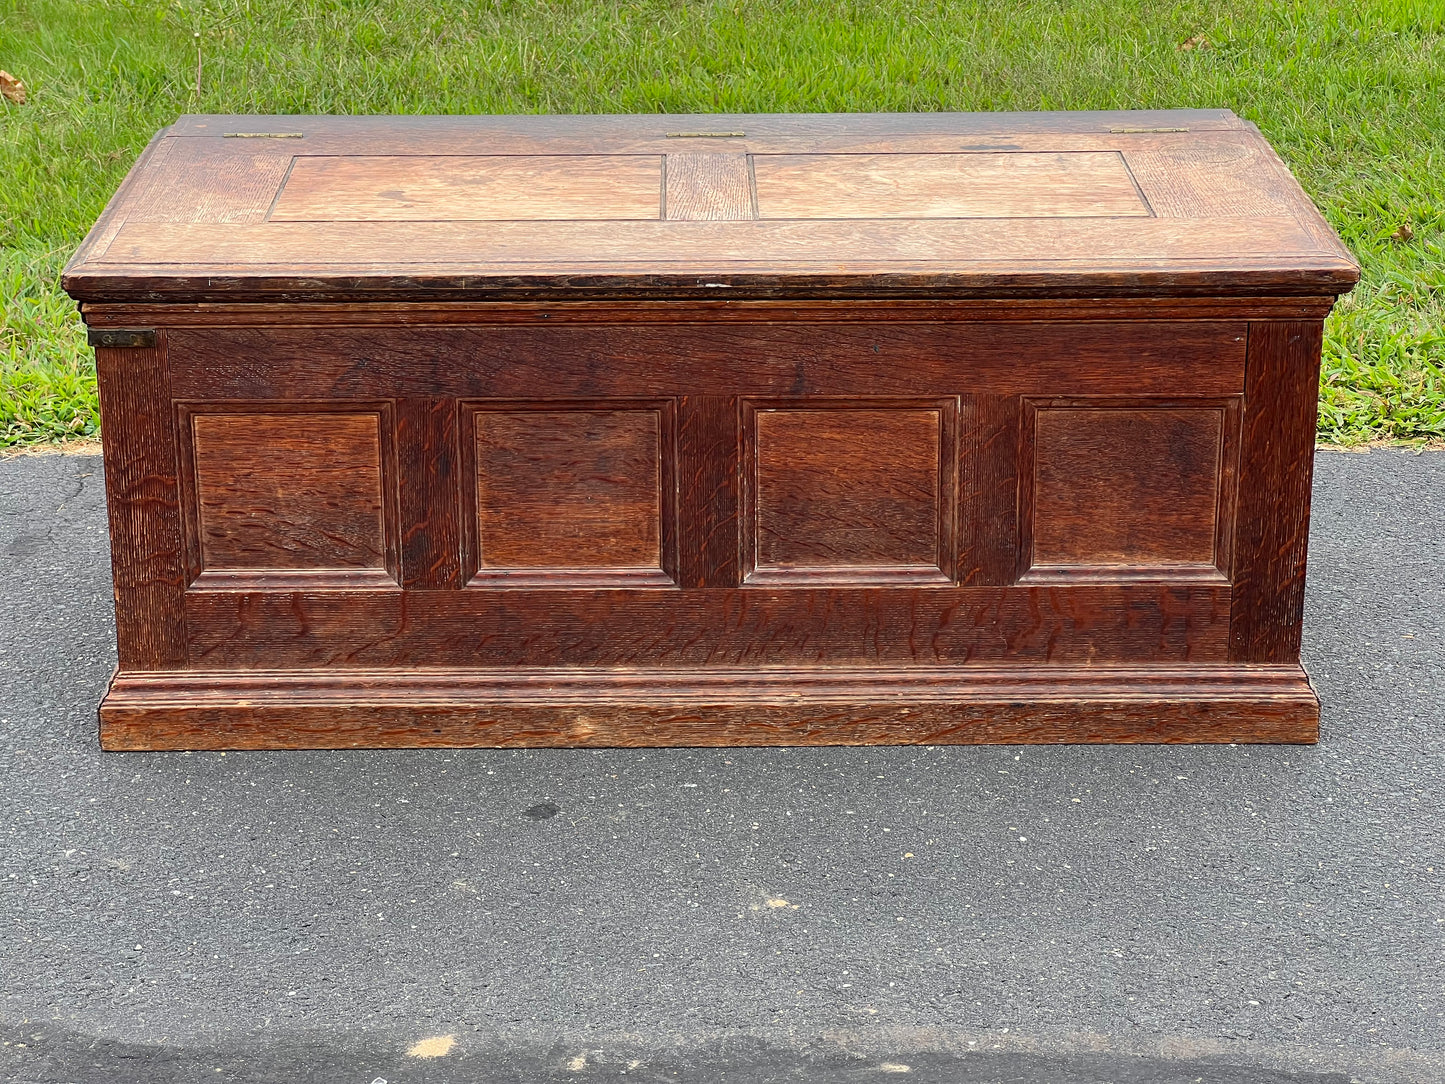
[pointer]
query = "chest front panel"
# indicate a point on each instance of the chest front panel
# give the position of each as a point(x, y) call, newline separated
point(676, 493)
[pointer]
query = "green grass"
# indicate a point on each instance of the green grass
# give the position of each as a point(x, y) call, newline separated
point(1351, 92)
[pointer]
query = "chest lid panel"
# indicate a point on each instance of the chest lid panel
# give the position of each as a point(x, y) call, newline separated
point(242, 208)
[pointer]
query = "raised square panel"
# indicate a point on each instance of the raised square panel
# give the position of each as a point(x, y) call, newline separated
point(1129, 490)
point(850, 494)
point(570, 497)
point(454, 188)
point(1010, 184)
point(288, 493)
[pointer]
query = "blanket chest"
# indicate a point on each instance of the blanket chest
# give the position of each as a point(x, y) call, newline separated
point(667, 430)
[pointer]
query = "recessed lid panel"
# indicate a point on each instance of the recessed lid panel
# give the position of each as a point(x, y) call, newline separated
point(980, 184)
point(459, 188)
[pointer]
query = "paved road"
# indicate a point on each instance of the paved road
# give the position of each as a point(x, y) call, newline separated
point(1122, 915)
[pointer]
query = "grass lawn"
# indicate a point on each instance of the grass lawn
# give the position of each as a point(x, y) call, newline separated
point(1351, 92)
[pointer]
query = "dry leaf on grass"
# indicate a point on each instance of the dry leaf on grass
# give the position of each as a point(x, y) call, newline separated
point(13, 89)
point(1199, 41)
point(1403, 234)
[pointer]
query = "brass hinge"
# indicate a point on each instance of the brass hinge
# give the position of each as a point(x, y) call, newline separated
point(706, 135)
point(1144, 131)
point(113, 337)
point(263, 135)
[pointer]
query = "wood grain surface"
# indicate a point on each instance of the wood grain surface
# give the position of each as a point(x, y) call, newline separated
point(708, 188)
point(954, 205)
point(774, 358)
point(849, 492)
point(981, 184)
point(297, 491)
point(899, 307)
point(540, 625)
point(700, 708)
point(143, 502)
point(1271, 538)
point(453, 188)
point(514, 431)
point(1117, 485)
point(429, 500)
point(709, 452)
point(990, 431)
point(564, 491)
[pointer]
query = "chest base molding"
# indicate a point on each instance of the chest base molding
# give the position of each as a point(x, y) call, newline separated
point(348, 709)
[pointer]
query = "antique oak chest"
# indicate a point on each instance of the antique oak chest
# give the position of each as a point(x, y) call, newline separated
point(671, 430)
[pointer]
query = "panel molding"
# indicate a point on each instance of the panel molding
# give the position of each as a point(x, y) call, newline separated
point(476, 574)
point(899, 307)
point(200, 578)
point(1217, 571)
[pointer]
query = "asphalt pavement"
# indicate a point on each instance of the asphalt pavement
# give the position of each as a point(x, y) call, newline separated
point(1215, 914)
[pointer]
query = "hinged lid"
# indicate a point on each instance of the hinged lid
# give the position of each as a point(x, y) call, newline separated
point(946, 204)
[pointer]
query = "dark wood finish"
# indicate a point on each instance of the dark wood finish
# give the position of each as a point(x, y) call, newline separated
point(697, 431)
point(289, 494)
point(289, 490)
point(1128, 488)
point(571, 494)
point(899, 308)
point(849, 492)
point(785, 707)
point(989, 474)
point(543, 626)
point(1276, 467)
point(143, 501)
point(772, 357)
point(430, 506)
point(709, 450)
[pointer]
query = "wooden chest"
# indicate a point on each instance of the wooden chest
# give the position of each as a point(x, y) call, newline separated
point(708, 430)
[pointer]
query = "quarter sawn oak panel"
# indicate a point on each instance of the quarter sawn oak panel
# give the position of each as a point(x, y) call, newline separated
point(850, 493)
point(1128, 489)
point(458, 189)
point(978, 185)
point(289, 492)
point(567, 493)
